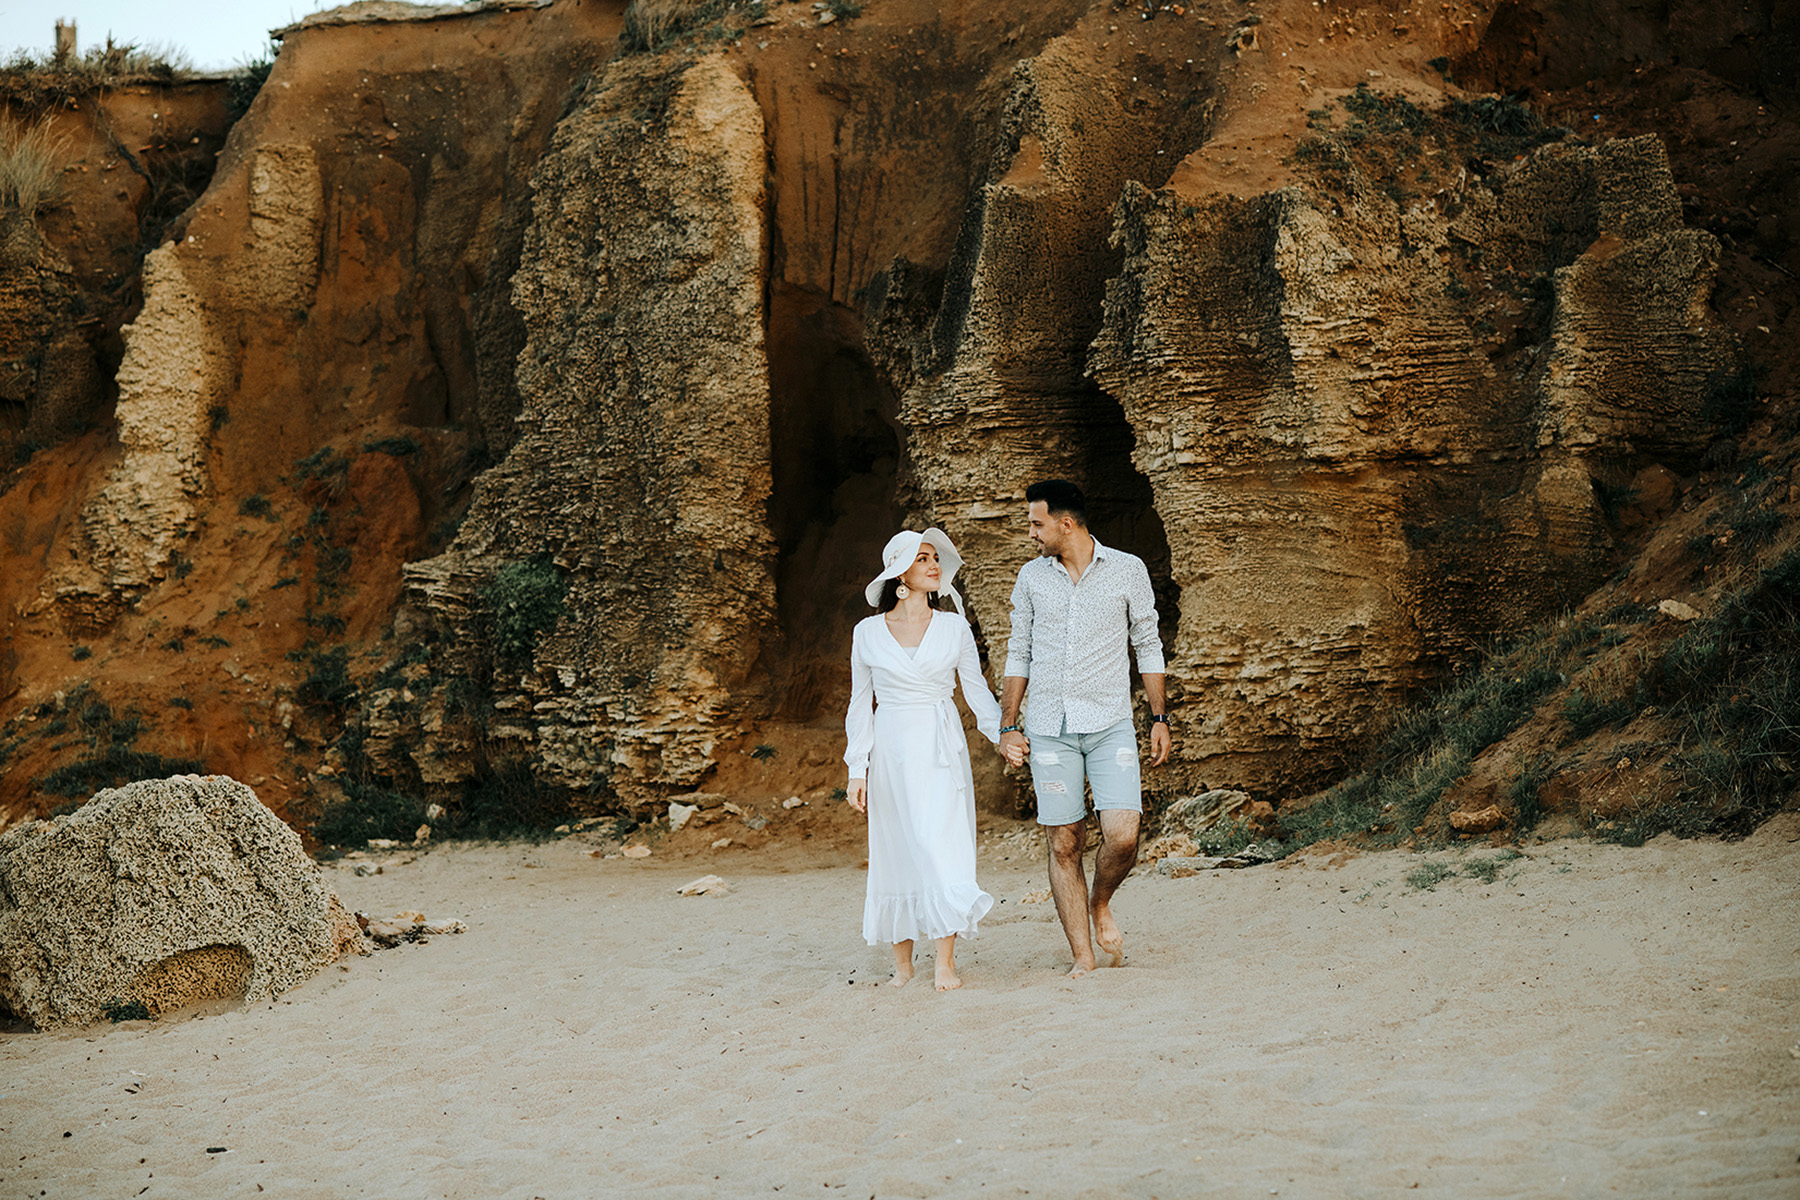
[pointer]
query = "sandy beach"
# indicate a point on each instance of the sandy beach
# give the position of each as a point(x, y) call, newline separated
point(1596, 1021)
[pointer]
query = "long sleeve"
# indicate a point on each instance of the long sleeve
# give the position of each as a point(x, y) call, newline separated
point(1018, 642)
point(1140, 612)
point(975, 691)
point(859, 719)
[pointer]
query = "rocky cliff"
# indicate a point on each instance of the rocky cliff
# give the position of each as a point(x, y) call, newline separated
point(533, 386)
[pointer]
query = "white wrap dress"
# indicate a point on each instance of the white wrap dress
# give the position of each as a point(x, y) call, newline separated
point(905, 737)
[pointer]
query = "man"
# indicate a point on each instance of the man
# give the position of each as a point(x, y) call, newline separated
point(1073, 610)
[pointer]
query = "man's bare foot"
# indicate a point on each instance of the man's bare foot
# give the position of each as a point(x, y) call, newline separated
point(947, 979)
point(902, 976)
point(1080, 969)
point(1107, 934)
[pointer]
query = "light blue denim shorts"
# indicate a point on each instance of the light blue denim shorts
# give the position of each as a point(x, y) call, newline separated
point(1107, 761)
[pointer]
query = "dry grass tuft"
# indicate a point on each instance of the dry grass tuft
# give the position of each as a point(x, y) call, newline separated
point(30, 171)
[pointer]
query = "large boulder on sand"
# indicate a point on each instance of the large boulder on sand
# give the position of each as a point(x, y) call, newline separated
point(162, 893)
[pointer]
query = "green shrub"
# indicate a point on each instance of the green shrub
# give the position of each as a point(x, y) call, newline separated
point(328, 684)
point(368, 811)
point(525, 599)
point(509, 801)
point(256, 506)
point(113, 757)
point(1733, 682)
point(1525, 793)
point(1586, 713)
point(394, 447)
point(1428, 875)
point(246, 83)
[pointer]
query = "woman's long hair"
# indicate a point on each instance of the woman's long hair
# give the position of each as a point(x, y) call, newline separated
point(890, 597)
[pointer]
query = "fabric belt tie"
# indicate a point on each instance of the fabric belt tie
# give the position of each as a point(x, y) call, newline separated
point(949, 729)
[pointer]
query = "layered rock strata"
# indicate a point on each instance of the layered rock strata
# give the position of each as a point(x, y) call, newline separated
point(1367, 482)
point(641, 463)
point(158, 895)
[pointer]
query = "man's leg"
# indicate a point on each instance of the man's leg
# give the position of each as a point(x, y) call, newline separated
point(1068, 887)
point(1112, 767)
point(1118, 854)
point(1057, 775)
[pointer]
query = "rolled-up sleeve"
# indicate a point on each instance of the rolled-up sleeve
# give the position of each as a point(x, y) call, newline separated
point(1018, 642)
point(859, 719)
point(1140, 613)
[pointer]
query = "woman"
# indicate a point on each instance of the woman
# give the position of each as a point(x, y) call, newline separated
point(908, 760)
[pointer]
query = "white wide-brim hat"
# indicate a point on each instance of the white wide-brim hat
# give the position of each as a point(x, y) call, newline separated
point(898, 555)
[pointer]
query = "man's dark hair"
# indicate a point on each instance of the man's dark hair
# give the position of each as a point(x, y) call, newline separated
point(1061, 499)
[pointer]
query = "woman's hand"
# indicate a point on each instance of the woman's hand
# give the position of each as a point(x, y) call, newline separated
point(857, 795)
point(1014, 747)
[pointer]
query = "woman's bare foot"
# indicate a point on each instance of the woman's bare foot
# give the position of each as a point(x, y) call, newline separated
point(1107, 934)
point(1080, 969)
point(947, 978)
point(903, 968)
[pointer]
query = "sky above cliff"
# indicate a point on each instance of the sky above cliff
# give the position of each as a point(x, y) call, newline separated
point(212, 36)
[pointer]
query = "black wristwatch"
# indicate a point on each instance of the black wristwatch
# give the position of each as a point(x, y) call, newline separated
point(1009, 729)
point(1159, 718)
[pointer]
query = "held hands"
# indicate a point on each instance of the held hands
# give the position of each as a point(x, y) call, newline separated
point(857, 795)
point(1014, 747)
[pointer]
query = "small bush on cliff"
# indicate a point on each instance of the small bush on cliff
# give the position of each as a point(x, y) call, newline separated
point(651, 24)
point(1734, 682)
point(45, 76)
point(113, 757)
point(509, 801)
point(368, 811)
point(30, 170)
point(525, 598)
point(249, 81)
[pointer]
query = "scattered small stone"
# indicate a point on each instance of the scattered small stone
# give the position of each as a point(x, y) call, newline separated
point(756, 822)
point(435, 812)
point(368, 868)
point(1252, 855)
point(680, 814)
point(706, 885)
point(721, 843)
point(422, 834)
point(792, 802)
point(1181, 866)
point(1483, 820)
point(1678, 610)
point(1037, 897)
point(383, 844)
point(637, 852)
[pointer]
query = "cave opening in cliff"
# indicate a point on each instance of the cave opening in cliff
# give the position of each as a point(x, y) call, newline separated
point(1121, 503)
point(835, 460)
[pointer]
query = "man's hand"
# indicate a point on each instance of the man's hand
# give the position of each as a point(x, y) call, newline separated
point(857, 795)
point(1014, 747)
point(1160, 742)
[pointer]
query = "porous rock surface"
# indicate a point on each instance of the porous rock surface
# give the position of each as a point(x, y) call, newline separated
point(162, 893)
point(642, 458)
point(1366, 480)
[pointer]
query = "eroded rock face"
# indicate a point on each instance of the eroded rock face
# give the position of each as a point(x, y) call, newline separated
point(641, 463)
point(162, 893)
point(1361, 481)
